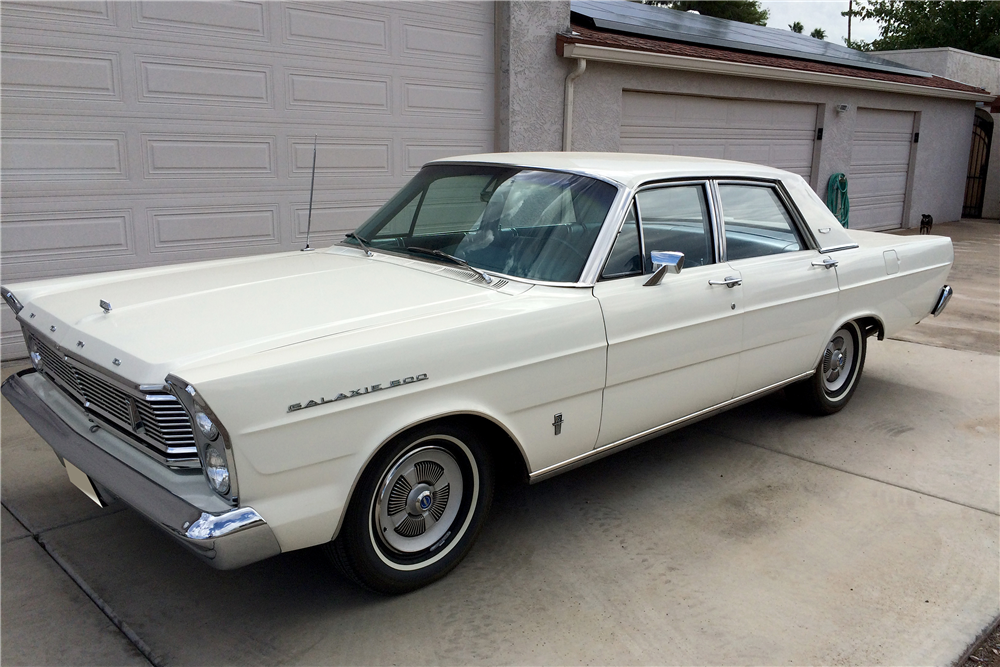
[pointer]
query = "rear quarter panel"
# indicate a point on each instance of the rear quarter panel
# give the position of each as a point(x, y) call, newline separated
point(895, 278)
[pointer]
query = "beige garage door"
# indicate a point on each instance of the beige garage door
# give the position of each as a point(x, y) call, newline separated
point(777, 134)
point(147, 133)
point(879, 171)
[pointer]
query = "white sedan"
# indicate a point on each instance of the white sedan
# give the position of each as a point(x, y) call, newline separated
point(529, 312)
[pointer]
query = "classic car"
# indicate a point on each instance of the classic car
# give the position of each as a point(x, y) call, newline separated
point(523, 312)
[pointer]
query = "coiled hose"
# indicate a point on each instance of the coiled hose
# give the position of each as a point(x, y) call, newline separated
point(836, 197)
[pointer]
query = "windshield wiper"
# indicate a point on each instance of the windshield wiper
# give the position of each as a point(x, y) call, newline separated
point(361, 242)
point(452, 258)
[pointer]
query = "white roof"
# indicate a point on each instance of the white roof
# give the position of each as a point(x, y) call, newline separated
point(629, 169)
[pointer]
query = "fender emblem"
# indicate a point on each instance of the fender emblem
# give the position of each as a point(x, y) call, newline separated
point(353, 393)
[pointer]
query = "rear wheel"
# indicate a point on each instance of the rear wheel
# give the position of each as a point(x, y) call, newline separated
point(416, 510)
point(837, 374)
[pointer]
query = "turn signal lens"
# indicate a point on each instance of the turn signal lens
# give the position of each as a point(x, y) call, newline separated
point(217, 470)
point(12, 301)
point(36, 358)
point(206, 426)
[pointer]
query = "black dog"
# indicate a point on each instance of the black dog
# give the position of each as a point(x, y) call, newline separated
point(926, 222)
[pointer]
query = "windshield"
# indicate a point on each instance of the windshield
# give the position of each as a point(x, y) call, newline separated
point(523, 223)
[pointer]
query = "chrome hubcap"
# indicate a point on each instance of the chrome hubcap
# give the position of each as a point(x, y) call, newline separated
point(419, 500)
point(837, 359)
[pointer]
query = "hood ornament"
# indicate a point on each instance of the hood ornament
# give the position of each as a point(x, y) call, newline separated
point(106, 306)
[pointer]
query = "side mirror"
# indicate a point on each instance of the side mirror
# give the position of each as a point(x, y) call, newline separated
point(663, 263)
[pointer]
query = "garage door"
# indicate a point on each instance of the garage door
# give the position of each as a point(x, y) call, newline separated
point(777, 134)
point(149, 133)
point(880, 162)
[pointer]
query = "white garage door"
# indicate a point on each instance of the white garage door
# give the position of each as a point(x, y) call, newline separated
point(156, 132)
point(777, 134)
point(880, 163)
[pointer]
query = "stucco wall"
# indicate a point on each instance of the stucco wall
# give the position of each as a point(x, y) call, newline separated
point(991, 201)
point(975, 70)
point(954, 64)
point(530, 75)
point(939, 159)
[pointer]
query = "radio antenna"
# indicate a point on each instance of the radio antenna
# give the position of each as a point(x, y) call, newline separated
point(312, 185)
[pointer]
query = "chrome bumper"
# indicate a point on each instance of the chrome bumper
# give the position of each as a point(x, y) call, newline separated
point(224, 539)
point(943, 300)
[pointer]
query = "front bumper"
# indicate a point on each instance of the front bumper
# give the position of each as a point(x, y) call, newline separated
point(224, 538)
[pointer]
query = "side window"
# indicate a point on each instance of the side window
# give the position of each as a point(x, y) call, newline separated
point(676, 218)
point(756, 222)
point(624, 259)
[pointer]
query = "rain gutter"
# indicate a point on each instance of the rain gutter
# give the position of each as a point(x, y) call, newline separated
point(609, 54)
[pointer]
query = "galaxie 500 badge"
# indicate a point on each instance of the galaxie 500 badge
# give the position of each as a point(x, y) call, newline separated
point(353, 393)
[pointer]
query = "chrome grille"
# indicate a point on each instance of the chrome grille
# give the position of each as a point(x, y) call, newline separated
point(153, 421)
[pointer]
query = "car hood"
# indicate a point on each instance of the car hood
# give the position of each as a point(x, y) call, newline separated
point(166, 318)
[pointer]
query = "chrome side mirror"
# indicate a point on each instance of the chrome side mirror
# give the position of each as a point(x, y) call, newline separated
point(663, 263)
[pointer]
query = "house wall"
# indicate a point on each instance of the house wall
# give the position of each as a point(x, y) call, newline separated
point(530, 92)
point(530, 75)
point(975, 70)
point(939, 160)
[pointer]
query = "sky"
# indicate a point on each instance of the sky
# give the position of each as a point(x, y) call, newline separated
point(819, 14)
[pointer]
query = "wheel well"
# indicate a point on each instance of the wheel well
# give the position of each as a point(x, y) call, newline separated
point(871, 326)
point(508, 460)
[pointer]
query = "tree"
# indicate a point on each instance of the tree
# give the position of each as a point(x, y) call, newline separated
point(796, 27)
point(971, 25)
point(818, 33)
point(744, 11)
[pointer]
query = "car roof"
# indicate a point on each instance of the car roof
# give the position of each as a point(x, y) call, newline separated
point(628, 169)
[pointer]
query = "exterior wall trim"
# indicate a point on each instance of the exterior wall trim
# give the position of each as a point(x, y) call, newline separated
point(687, 63)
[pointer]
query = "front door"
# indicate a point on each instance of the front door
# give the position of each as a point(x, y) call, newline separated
point(673, 347)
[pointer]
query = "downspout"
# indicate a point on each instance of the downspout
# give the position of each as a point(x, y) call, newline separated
point(581, 66)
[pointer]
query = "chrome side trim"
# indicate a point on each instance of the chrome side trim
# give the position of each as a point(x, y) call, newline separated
point(835, 248)
point(648, 434)
point(606, 238)
point(718, 223)
point(225, 539)
point(943, 299)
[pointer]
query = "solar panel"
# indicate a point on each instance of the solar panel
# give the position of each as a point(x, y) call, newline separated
point(652, 21)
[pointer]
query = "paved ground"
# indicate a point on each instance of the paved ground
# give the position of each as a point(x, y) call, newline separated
point(759, 536)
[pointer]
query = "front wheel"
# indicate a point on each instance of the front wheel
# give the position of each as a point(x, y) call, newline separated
point(416, 511)
point(837, 374)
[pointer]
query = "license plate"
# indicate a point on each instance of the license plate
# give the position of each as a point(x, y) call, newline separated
point(82, 482)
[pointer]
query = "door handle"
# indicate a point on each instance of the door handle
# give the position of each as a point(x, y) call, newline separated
point(728, 281)
point(826, 263)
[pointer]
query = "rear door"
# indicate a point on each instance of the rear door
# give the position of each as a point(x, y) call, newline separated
point(789, 292)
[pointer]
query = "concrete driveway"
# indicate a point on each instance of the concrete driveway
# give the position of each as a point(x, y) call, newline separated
point(759, 536)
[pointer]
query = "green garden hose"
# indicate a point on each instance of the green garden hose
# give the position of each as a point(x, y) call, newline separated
point(836, 197)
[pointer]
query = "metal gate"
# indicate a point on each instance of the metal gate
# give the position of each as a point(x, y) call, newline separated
point(979, 162)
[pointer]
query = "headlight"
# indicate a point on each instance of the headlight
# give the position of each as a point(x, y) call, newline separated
point(11, 300)
point(205, 425)
point(214, 449)
point(217, 470)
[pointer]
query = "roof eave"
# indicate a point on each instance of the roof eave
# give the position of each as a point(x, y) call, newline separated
point(687, 63)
